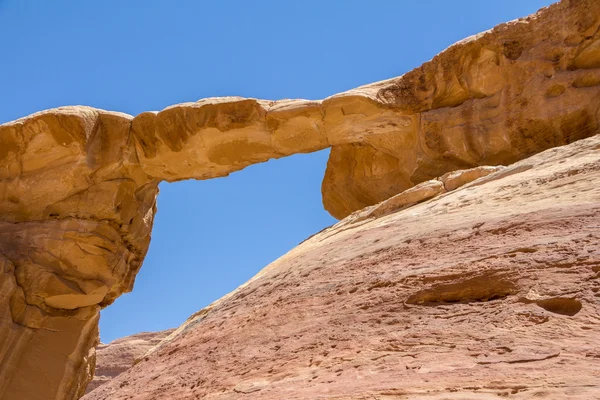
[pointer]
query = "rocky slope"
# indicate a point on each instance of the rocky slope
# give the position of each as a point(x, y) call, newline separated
point(78, 185)
point(488, 291)
point(120, 355)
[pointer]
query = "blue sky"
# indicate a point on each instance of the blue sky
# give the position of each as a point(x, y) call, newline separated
point(131, 56)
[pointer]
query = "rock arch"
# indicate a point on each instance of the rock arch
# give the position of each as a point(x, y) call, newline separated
point(78, 185)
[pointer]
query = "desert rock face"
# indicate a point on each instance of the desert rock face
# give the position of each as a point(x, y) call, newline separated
point(120, 355)
point(488, 291)
point(503, 95)
point(78, 185)
point(75, 221)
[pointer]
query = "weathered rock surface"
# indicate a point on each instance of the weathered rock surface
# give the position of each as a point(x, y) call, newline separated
point(78, 185)
point(120, 355)
point(419, 193)
point(495, 98)
point(75, 221)
point(485, 292)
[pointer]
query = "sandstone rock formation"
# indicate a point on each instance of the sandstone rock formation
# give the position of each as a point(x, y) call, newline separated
point(120, 355)
point(520, 88)
point(78, 185)
point(489, 291)
point(419, 193)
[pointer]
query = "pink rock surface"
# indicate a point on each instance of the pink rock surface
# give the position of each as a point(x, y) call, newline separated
point(119, 355)
point(78, 185)
point(489, 291)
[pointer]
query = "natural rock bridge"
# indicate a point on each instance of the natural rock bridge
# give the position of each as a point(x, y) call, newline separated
point(78, 185)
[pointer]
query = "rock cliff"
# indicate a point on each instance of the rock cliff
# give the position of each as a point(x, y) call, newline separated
point(78, 185)
point(119, 355)
point(488, 291)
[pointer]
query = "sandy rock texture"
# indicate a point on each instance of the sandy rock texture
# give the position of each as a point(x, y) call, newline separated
point(120, 355)
point(75, 220)
point(489, 291)
point(78, 185)
point(495, 98)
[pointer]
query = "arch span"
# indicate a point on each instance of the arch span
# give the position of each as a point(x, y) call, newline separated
point(78, 185)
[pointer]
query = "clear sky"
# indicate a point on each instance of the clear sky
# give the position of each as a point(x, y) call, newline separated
point(136, 55)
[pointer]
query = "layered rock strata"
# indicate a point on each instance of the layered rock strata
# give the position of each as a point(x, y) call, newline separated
point(119, 355)
point(78, 185)
point(489, 291)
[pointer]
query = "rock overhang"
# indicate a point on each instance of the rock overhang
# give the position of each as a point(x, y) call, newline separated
point(78, 185)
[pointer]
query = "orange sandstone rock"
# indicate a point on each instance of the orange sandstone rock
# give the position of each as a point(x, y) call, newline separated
point(78, 185)
point(489, 291)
